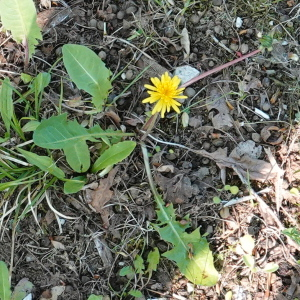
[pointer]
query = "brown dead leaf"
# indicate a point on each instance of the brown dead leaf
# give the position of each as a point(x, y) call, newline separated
point(271, 135)
point(256, 169)
point(185, 42)
point(219, 112)
point(101, 195)
point(177, 189)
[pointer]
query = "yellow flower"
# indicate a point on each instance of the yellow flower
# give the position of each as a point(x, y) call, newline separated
point(164, 92)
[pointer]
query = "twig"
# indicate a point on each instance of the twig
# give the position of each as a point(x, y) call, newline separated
point(219, 68)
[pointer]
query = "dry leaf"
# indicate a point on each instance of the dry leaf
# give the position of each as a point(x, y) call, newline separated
point(166, 168)
point(271, 135)
point(177, 189)
point(185, 42)
point(101, 195)
point(256, 169)
point(218, 110)
point(57, 245)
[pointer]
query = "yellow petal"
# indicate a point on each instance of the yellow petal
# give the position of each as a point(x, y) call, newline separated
point(155, 81)
point(175, 81)
point(150, 87)
point(176, 108)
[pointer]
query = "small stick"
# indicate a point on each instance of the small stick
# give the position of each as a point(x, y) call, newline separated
point(219, 68)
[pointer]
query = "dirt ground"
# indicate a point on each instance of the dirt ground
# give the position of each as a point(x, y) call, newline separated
point(256, 112)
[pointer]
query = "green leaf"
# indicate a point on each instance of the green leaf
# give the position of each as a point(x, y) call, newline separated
point(59, 133)
point(249, 261)
point(22, 289)
point(190, 251)
point(26, 78)
point(88, 72)
point(95, 297)
point(139, 264)
point(5, 292)
point(45, 163)
point(127, 271)
point(135, 293)
point(78, 156)
point(74, 185)
point(39, 83)
point(19, 16)
point(270, 268)
point(293, 233)
point(216, 200)
point(234, 190)
point(31, 126)
point(6, 103)
point(247, 242)
point(113, 155)
point(153, 261)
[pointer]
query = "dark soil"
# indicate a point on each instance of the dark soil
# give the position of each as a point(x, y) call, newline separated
point(128, 35)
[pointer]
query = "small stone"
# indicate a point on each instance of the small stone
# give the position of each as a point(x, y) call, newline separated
point(102, 55)
point(217, 2)
point(234, 47)
point(100, 25)
point(266, 82)
point(206, 145)
point(129, 74)
point(171, 156)
point(120, 15)
point(89, 12)
point(218, 29)
point(131, 10)
point(58, 51)
point(195, 122)
point(93, 23)
point(190, 92)
point(256, 137)
point(169, 31)
point(266, 106)
point(180, 19)
point(211, 63)
point(186, 165)
point(195, 19)
point(244, 48)
point(205, 161)
point(290, 24)
point(218, 142)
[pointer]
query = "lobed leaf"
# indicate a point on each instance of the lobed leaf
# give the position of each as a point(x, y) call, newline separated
point(88, 72)
point(190, 251)
point(19, 16)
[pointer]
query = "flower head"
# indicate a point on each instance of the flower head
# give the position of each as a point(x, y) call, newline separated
point(164, 92)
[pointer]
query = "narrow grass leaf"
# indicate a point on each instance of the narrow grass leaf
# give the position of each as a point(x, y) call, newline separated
point(5, 292)
point(19, 16)
point(45, 163)
point(113, 155)
point(6, 103)
point(88, 72)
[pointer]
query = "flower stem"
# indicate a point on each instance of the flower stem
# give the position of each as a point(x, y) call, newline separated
point(219, 68)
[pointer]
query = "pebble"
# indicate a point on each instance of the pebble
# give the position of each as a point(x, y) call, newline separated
point(169, 31)
point(290, 24)
point(266, 82)
point(206, 145)
point(180, 20)
point(100, 25)
point(120, 15)
point(256, 137)
point(195, 19)
point(205, 161)
point(190, 92)
point(217, 2)
point(186, 165)
point(244, 48)
point(266, 106)
point(171, 156)
point(234, 47)
point(211, 63)
point(131, 10)
point(58, 51)
point(102, 55)
point(129, 74)
point(93, 23)
point(218, 142)
point(89, 12)
point(218, 29)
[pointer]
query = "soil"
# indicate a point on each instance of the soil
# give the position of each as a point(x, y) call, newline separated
point(82, 251)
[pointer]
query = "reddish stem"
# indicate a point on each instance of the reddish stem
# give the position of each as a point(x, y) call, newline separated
point(219, 68)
